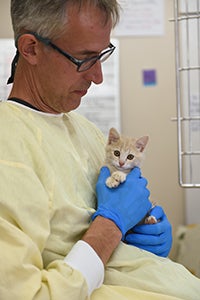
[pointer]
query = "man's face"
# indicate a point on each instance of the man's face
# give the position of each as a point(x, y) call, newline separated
point(59, 86)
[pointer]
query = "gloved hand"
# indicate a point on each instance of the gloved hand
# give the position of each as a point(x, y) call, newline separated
point(155, 238)
point(125, 205)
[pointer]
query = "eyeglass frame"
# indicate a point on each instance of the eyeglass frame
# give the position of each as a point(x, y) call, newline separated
point(77, 62)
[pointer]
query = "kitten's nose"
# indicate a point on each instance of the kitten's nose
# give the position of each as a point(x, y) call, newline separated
point(121, 163)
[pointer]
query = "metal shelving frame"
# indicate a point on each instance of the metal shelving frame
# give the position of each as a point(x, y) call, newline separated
point(187, 47)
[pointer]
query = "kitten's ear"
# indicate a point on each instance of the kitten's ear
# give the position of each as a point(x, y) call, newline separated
point(113, 136)
point(141, 143)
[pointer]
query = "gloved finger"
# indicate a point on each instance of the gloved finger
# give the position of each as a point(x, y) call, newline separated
point(147, 194)
point(153, 229)
point(143, 181)
point(150, 240)
point(157, 244)
point(104, 174)
point(159, 250)
point(157, 212)
point(135, 173)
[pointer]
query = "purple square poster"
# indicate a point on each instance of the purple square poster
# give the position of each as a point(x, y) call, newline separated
point(149, 77)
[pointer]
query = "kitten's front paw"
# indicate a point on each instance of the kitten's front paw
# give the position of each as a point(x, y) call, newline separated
point(119, 176)
point(115, 179)
point(111, 182)
point(150, 220)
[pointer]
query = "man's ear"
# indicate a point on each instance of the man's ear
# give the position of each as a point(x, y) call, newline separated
point(28, 47)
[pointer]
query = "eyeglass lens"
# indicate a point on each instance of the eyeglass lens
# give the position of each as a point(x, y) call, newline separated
point(90, 62)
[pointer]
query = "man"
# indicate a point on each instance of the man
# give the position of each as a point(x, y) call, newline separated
point(54, 244)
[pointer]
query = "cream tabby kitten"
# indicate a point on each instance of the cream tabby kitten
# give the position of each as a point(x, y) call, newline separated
point(122, 155)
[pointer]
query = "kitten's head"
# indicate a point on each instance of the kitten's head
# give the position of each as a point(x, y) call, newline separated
point(124, 153)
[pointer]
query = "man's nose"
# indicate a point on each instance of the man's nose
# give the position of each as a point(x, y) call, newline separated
point(95, 74)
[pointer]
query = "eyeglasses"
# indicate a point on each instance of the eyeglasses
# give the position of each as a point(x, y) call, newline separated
point(82, 65)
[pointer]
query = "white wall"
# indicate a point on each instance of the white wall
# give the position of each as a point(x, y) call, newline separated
point(5, 22)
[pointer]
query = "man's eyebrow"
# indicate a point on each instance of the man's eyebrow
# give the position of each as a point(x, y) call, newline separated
point(89, 52)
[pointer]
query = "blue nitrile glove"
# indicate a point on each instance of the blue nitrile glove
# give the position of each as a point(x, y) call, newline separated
point(125, 205)
point(155, 238)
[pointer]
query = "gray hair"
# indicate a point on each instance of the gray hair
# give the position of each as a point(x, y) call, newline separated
point(47, 17)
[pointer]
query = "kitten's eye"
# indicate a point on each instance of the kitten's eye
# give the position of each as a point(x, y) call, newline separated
point(117, 153)
point(130, 156)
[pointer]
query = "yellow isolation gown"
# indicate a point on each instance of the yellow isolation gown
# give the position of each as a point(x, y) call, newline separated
point(49, 165)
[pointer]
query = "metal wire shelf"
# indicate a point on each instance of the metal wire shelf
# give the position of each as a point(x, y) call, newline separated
point(187, 47)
